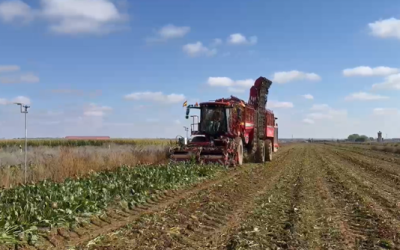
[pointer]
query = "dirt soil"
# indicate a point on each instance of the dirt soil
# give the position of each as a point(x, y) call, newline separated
point(311, 196)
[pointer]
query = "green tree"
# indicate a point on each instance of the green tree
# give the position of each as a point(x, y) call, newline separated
point(362, 138)
point(353, 137)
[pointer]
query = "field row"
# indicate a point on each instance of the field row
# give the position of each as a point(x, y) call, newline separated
point(76, 143)
point(309, 197)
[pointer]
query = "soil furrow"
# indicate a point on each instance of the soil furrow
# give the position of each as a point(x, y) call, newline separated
point(376, 183)
point(203, 220)
point(311, 196)
point(373, 185)
point(293, 215)
point(367, 229)
point(373, 164)
point(393, 158)
point(91, 231)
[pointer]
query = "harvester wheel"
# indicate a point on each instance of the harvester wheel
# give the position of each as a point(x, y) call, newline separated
point(239, 144)
point(268, 152)
point(260, 153)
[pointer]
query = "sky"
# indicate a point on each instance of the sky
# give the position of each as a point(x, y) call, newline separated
point(124, 68)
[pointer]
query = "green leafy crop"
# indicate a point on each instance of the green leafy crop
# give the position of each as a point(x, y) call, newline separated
point(24, 209)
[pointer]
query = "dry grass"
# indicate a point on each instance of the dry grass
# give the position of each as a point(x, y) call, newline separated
point(75, 143)
point(387, 148)
point(59, 163)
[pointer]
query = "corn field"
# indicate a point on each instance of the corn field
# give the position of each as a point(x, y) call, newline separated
point(78, 143)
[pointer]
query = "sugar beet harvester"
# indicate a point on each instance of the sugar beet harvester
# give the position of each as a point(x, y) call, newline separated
point(230, 128)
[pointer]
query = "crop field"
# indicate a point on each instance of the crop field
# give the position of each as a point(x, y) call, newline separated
point(59, 159)
point(311, 196)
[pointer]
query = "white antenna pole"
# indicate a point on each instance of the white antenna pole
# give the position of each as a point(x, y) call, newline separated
point(24, 110)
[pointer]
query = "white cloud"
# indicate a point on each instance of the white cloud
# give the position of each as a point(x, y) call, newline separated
point(368, 71)
point(82, 16)
point(294, 75)
point(363, 96)
point(13, 10)
point(245, 83)
point(155, 97)
point(23, 78)
point(228, 82)
point(309, 121)
point(387, 28)
point(391, 82)
point(386, 111)
point(317, 116)
point(276, 104)
point(238, 86)
point(220, 81)
point(95, 110)
point(70, 16)
point(9, 68)
point(320, 107)
point(3, 101)
point(239, 39)
point(22, 99)
point(324, 111)
point(308, 96)
point(171, 31)
point(18, 99)
point(216, 42)
point(198, 49)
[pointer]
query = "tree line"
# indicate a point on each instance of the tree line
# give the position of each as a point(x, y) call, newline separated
point(359, 138)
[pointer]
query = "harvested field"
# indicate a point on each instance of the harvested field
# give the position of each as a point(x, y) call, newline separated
point(311, 196)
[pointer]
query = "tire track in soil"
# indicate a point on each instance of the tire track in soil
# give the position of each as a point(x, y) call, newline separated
point(204, 220)
point(376, 186)
point(116, 218)
point(386, 169)
point(295, 214)
point(363, 226)
point(393, 158)
point(277, 227)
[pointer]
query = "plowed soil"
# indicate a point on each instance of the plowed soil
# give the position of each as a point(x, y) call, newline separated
point(311, 196)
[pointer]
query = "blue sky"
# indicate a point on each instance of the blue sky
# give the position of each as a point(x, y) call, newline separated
point(124, 68)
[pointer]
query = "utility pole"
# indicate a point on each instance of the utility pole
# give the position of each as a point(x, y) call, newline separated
point(24, 110)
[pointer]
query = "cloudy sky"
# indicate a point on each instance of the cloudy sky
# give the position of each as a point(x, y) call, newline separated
point(123, 68)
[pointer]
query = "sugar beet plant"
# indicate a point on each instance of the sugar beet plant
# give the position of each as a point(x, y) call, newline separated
point(24, 209)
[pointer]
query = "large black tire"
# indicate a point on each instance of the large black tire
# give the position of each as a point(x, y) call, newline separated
point(260, 153)
point(239, 143)
point(268, 151)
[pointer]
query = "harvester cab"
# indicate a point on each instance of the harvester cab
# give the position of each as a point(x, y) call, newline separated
point(229, 127)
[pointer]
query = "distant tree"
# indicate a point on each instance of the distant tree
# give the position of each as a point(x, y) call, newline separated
point(359, 138)
point(362, 138)
point(371, 138)
point(353, 137)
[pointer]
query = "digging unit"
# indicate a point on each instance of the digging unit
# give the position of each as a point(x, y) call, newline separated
point(229, 128)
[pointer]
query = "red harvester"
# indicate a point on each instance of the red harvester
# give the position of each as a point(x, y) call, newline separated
point(230, 128)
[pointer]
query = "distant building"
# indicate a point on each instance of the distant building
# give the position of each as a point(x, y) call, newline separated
point(87, 138)
point(379, 136)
